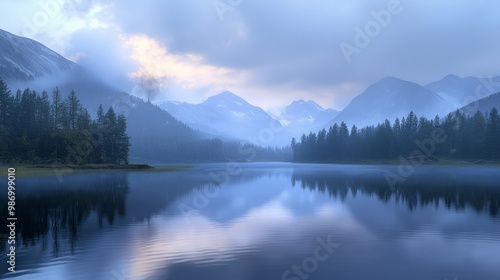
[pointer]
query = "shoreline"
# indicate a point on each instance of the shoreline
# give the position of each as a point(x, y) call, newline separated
point(30, 170)
point(440, 162)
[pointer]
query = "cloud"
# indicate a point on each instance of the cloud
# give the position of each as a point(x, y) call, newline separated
point(272, 51)
point(106, 53)
point(296, 43)
point(183, 70)
point(52, 22)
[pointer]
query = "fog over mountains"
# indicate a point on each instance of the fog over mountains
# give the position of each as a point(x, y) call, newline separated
point(225, 114)
point(27, 63)
point(303, 115)
point(35, 66)
point(459, 92)
point(229, 115)
point(391, 98)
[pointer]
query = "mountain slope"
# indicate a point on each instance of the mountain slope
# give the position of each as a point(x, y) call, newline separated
point(390, 98)
point(26, 59)
point(163, 139)
point(483, 105)
point(229, 115)
point(461, 91)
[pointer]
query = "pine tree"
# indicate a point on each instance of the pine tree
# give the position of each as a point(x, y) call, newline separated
point(109, 137)
point(478, 132)
point(354, 142)
point(5, 102)
point(97, 136)
point(123, 143)
point(492, 139)
point(293, 145)
point(332, 138)
point(57, 104)
point(73, 109)
point(321, 145)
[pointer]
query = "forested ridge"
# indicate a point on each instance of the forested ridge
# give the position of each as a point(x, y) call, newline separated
point(37, 129)
point(46, 128)
point(460, 137)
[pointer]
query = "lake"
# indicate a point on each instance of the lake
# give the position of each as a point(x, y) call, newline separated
point(259, 221)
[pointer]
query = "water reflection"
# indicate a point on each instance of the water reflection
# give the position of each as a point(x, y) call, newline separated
point(266, 219)
point(47, 207)
point(455, 188)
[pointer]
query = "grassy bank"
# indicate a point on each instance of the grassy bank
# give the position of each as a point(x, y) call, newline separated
point(64, 169)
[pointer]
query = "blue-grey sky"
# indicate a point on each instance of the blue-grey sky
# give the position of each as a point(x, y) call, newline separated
point(268, 52)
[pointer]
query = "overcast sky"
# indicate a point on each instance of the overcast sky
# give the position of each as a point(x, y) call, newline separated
point(268, 52)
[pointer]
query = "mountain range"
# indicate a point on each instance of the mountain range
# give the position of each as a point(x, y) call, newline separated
point(230, 116)
point(392, 98)
point(225, 114)
point(459, 92)
point(27, 63)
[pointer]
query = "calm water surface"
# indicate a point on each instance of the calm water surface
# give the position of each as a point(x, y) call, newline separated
point(259, 221)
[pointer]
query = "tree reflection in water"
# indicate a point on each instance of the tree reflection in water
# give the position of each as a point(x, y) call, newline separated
point(60, 209)
point(457, 191)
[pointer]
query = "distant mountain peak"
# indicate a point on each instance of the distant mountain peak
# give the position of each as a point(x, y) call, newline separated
point(226, 95)
point(225, 98)
point(302, 103)
point(451, 77)
point(303, 116)
point(460, 91)
point(390, 98)
point(389, 80)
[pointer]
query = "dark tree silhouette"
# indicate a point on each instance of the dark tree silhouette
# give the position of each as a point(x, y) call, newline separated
point(467, 137)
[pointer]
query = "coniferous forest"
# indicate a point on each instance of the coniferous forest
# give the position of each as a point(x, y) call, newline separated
point(42, 128)
point(36, 128)
point(50, 129)
point(457, 136)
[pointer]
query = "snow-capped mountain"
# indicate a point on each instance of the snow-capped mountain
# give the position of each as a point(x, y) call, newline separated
point(229, 115)
point(304, 116)
point(458, 92)
point(390, 98)
point(26, 59)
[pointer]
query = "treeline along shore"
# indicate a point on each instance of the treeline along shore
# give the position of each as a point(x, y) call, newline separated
point(35, 129)
point(458, 137)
